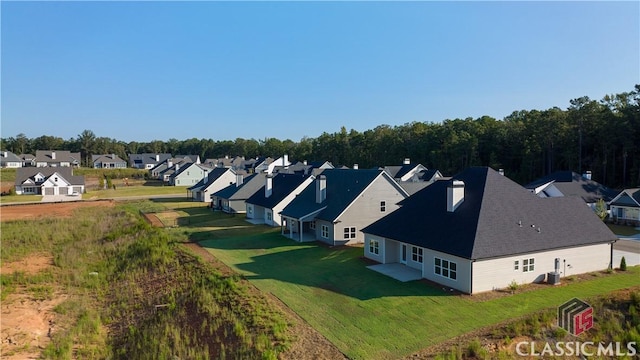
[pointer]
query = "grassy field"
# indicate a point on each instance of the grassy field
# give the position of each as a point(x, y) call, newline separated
point(7, 174)
point(124, 191)
point(113, 270)
point(355, 307)
point(20, 198)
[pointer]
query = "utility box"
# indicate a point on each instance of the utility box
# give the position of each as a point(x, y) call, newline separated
point(553, 278)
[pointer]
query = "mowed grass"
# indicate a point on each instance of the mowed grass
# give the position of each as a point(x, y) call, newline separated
point(371, 316)
point(20, 198)
point(623, 230)
point(124, 191)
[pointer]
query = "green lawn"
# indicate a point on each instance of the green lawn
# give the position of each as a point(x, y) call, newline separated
point(623, 230)
point(123, 191)
point(368, 315)
point(20, 198)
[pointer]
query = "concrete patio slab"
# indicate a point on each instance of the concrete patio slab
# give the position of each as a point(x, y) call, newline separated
point(397, 271)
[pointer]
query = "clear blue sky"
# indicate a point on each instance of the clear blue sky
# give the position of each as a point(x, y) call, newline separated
point(159, 70)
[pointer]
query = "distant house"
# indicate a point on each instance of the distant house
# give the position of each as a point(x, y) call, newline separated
point(166, 168)
point(57, 158)
point(567, 183)
point(48, 181)
point(279, 190)
point(312, 168)
point(481, 231)
point(412, 177)
point(269, 164)
point(147, 161)
point(626, 206)
point(27, 159)
point(216, 179)
point(232, 199)
point(339, 204)
point(406, 171)
point(108, 161)
point(189, 175)
point(10, 160)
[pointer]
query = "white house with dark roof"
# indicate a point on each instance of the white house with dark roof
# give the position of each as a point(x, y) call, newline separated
point(108, 161)
point(216, 180)
point(57, 158)
point(147, 161)
point(481, 231)
point(339, 204)
point(48, 181)
point(265, 205)
point(10, 160)
point(625, 206)
point(232, 199)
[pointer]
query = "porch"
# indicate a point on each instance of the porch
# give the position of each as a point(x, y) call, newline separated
point(398, 271)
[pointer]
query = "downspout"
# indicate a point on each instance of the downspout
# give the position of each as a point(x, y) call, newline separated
point(611, 255)
point(471, 278)
point(300, 229)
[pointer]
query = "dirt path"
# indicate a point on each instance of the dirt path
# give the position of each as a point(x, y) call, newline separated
point(307, 343)
point(37, 210)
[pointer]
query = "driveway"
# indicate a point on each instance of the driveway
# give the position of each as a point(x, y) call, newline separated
point(60, 198)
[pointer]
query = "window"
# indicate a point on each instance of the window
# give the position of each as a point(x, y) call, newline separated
point(383, 206)
point(516, 265)
point(374, 247)
point(325, 231)
point(446, 268)
point(349, 233)
point(269, 216)
point(250, 210)
point(528, 265)
point(312, 225)
point(416, 254)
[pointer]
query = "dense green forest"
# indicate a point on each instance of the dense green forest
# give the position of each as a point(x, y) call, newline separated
point(601, 136)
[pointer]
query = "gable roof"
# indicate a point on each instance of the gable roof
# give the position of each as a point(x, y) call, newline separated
point(210, 178)
point(628, 197)
point(184, 167)
point(7, 156)
point(343, 186)
point(282, 186)
point(28, 173)
point(572, 184)
point(107, 158)
point(60, 156)
point(147, 158)
point(250, 185)
point(497, 218)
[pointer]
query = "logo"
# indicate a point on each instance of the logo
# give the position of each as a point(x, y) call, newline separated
point(575, 316)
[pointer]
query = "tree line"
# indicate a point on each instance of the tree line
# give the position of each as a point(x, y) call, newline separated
point(601, 136)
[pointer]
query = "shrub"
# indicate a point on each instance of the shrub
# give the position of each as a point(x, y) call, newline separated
point(513, 286)
point(623, 264)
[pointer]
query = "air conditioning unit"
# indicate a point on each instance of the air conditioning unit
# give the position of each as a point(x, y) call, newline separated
point(553, 278)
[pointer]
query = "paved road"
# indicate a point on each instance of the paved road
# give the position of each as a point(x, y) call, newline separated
point(63, 198)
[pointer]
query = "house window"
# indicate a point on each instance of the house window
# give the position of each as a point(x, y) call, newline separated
point(349, 233)
point(446, 268)
point(516, 265)
point(620, 213)
point(374, 247)
point(416, 254)
point(528, 265)
point(269, 216)
point(383, 206)
point(250, 210)
point(312, 225)
point(325, 231)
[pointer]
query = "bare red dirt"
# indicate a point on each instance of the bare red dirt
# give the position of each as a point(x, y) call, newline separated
point(27, 323)
point(33, 211)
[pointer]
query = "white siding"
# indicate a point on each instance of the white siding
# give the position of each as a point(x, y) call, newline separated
point(381, 248)
point(463, 270)
point(499, 273)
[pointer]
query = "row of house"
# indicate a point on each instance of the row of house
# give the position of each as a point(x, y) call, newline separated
point(474, 232)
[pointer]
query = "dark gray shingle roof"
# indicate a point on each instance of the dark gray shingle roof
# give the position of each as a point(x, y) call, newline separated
point(487, 223)
point(573, 184)
point(250, 185)
point(283, 185)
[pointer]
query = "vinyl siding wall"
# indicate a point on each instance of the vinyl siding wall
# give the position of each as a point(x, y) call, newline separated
point(499, 273)
point(365, 210)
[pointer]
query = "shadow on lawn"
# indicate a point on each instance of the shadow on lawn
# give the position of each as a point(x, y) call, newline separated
point(339, 270)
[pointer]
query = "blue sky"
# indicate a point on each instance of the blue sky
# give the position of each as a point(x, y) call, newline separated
point(222, 70)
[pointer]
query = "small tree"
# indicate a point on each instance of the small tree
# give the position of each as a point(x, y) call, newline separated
point(601, 209)
point(623, 264)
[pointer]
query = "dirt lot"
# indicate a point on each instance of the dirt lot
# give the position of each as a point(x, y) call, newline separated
point(32, 211)
point(27, 324)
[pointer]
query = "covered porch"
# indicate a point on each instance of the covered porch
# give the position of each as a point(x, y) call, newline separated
point(297, 230)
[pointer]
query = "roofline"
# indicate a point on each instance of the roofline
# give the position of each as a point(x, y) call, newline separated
point(382, 173)
point(620, 194)
point(302, 217)
point(545, 250)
